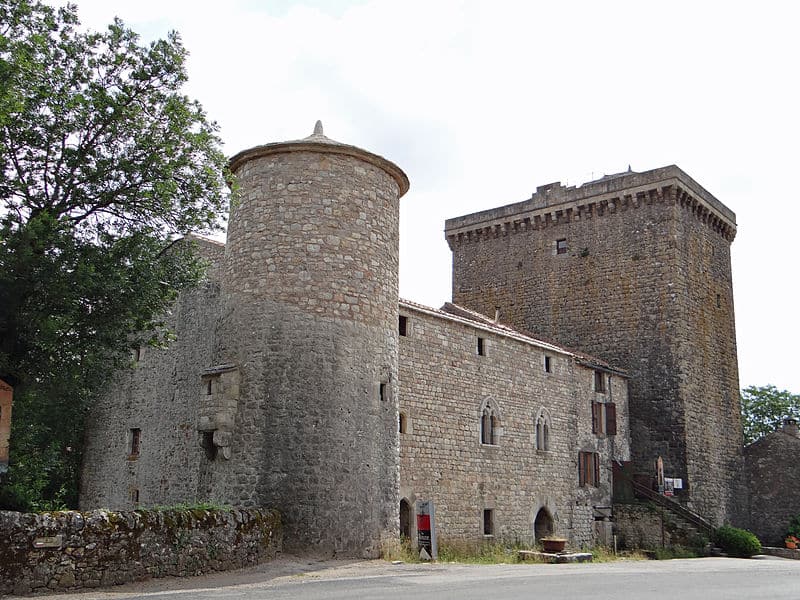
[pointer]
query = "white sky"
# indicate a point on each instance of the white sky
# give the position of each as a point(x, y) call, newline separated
point(481, 102)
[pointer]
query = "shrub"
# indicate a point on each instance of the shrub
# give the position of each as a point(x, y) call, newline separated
point(737, 542)
point(794, 527)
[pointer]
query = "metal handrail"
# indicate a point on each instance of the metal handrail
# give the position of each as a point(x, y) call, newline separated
point(673, 506)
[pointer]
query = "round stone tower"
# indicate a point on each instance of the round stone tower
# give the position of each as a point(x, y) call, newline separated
point(310, 292)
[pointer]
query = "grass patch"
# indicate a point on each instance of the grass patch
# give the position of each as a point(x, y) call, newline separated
point(489, 552)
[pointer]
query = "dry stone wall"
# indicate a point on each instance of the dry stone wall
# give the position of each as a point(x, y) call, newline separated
point(444, 385)
point(72, 550)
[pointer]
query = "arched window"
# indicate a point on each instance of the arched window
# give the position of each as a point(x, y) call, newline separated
point(490, 423)
point(543, 430)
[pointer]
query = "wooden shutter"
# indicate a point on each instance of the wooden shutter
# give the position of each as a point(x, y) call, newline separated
point(596, 465)
point(597, 410)
point(581, 467)
point(611, 419)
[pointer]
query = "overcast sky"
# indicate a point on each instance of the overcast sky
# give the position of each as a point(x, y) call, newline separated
point(481, 102)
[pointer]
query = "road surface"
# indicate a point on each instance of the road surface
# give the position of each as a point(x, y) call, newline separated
point(308, 579)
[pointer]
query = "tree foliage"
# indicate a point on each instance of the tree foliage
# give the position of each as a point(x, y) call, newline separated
point(104, 163)
point(764, 409)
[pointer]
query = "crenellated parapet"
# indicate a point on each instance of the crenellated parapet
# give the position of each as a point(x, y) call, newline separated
point(555, 204)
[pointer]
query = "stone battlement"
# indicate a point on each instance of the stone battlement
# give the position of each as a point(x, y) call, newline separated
point(554, 203)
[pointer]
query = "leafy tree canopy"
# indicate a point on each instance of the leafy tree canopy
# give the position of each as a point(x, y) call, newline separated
point(103, 164)
point(764, 409)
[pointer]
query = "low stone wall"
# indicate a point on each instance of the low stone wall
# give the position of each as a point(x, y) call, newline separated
point(781, 552)
point(70, 550)
point(648, 527)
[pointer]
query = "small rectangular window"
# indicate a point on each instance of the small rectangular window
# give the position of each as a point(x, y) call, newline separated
point(548, 367)
point(719, 301)
point(403, 325)
point(561, 246)
point(403, 424)
point(135, 495)
point(382, 392)
point(599, 381)
point(208, 387)
point(488, 521)
point(135, 442)
point(481, 347)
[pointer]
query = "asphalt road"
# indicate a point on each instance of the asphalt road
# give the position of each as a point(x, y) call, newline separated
point(292, 578)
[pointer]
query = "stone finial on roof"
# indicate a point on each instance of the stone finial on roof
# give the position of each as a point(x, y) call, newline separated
point(319, 135)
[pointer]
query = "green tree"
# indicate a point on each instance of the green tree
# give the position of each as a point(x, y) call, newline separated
point(764, 408)
point(104, 163)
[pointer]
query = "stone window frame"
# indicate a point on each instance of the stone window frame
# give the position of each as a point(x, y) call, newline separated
point(489, 423)
point(481, 346)
point(543, 427)
point(561, 246)
point(547, 363)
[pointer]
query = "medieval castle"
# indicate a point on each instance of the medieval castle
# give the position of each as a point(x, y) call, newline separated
point(299, 380)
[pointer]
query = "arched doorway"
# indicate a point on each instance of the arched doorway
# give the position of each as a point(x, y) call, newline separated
point(542, 525)
point(405, 519)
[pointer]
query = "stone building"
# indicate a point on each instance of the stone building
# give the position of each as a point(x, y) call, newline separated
point(636, 268)
point(300, 381)
point(511, 437)
point(773, 473)
point(285, 368)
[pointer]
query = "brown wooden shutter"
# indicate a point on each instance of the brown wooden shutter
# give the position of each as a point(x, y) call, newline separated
point(611, 419)
point(596, 465)
point(581, 469)
point(596, 416)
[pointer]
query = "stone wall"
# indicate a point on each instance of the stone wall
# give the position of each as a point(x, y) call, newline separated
point(444, 386)
point(281, 386)
point(158, 396)
point(634, 268)
point(309, 317)
point(646, 526)
point(773, 473)
point(71, 550)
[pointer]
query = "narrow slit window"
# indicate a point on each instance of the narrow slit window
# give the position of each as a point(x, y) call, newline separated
point(481, 347)
point(403, 325)
point(208, 387)
point(135, 442)
point(382, 391)
point(488, 521)
point(548, 365)
point(402, 423)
